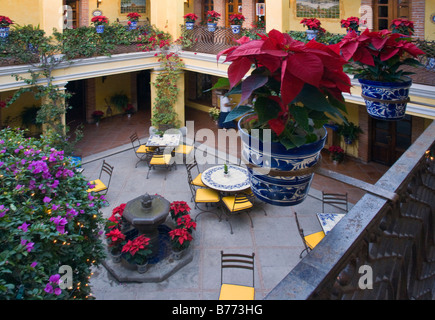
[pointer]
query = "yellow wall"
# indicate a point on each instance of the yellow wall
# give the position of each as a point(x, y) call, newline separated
point(429, 27)
point(111, 85)
point(21, 12)
point(349, 8)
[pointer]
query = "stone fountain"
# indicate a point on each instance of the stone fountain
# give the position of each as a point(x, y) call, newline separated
point(147, 215)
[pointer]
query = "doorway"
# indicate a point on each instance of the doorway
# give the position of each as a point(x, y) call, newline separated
point(232, 7)
point(144, 90)
point(385, 11)
point(390, 139)
point(76, 113)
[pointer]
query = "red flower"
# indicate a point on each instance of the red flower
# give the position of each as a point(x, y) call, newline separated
point(115, 236)
point(133, 246)
point(133, 16)
point(236, 18)
point(181, 235)
point(187, 222)
point(212, 16)
point(351, 23)
point(190, 17)
point(5, 22)
point(179, 207)
point(312, 24)
point(402, 26)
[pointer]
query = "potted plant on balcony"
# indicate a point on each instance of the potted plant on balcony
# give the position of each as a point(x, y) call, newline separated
point(402, 26)
point(190, 20)
point(5, 22)
point(351, 24)
point(97, 115)
point(99, 23)
point(297, 87)
point(377, 58)
point(212, 18)
point(349, 131)
point(133, 18)
point(136, 252)
point(313, 26)
point(236, 21)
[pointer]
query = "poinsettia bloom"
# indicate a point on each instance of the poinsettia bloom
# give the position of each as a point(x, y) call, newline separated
point(115, 235)
point(182, 233)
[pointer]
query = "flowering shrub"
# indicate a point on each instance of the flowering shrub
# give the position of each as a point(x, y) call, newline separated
point(337, 153)
point(213, 16)
point(190, 17)
point(133, 16)
point(312, 24)
point(351, 23)
point(47, 220)
point(237, 19)
point(402, 26)
point(5, 22)
point(99, 20)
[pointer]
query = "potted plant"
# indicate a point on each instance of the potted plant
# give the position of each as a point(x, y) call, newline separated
point(136, 252)
point(349, 131)
point(313, 27)
point(214, 114)
point(178, 209)
point(5, 22)
point(97, 115)
point(120, 100)
point(181, 238)
point(336, 153)
point(190, 20)
point(402, 26)
point(351, 24)
point(99, 23)
point(212, 18)
point(129, 109)
point(236, 21)
point(133, 18)
point(378, 58)
point(115, 238)
point(297, 87)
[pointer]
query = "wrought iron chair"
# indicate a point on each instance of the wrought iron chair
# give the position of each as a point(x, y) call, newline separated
point(311, 240)
point(101, 185)
point(237, 204)
point(339, 200)
point(143, 153)
point(202, 195)
point(160, 159)
point(230, 291)
point(197, 180)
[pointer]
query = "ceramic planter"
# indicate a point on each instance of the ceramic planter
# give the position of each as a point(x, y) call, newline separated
point(100, 28)
point(133, 25)
point(142, 268)
point(4, 32)
point(236, 28)
point(177, 254)
point(116, 256)
point(386, 100)
point(312, 34)
point(189, 25)
point(211, 27)
point(291, 171)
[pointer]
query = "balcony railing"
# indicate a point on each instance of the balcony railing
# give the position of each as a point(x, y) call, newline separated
point(384, 248)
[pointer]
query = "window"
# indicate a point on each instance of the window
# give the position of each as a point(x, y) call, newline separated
point(318, 9)
point(138, 6)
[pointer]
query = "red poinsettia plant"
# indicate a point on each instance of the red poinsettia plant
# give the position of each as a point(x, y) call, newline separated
point(178, 209)
point(180, 238)
point(237, 19)
point(312, 24)
point(5, 22)
point(351, 23)
point(336, 153)
point(115, 238)
point(378, 56)
point(133, 16)
point(212, 16)
point(402, 26)
point(99, 20)
point(137, 250)
point(297, 86)
point(190, 17)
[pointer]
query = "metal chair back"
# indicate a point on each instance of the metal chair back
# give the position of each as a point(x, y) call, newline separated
point(238, 261)
point(338, 200)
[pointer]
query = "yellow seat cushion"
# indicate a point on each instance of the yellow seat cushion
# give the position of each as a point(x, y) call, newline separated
point(207, 195)
point(99, 186)
point(229, 202)
point(144, 149)
point(184, 149)
point(313, 239)
point(198, 182)
point(160, 159)
point(236, 292)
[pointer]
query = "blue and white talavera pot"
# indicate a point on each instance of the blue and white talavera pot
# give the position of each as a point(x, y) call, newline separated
point(133, 25)
point(284, 190)
point(99, 28)
point(312, 34)
point(189, 25)
point(4, 32)
point(236, 28)
point(211, 27)
point(386, 100)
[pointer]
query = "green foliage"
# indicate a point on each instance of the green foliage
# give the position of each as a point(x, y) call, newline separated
point(349, 131)
point(120, 100)
point(47, 219)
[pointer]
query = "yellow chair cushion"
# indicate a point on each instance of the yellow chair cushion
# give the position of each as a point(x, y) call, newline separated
point(99, 186)
point(184, 149)
point(144, 149)
point(236, 292)
point(313, 239)
point(229, 202)
point(207, 195)
point(198, 182)
point(160, 159)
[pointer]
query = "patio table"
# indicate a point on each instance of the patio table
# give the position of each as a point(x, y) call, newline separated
point(167, 140)
point(236, 180)
point(329, 220)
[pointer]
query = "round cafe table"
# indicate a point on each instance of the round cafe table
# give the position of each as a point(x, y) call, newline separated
point(236, 180)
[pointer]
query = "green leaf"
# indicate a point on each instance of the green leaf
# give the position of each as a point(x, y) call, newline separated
point(222, 83)
point(300, 114)
point(266, 109)
point(238, 112)
point(298, 140)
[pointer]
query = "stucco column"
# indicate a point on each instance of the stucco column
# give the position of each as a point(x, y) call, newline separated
point(60, 102)
point(167, 15)
point(277, 15)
